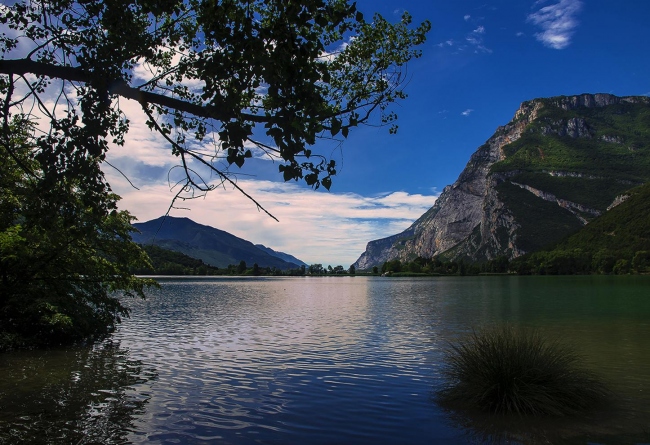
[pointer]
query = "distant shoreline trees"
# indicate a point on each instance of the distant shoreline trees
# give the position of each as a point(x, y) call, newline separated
point(540, 263)
point(168, 262)
point(575, 262)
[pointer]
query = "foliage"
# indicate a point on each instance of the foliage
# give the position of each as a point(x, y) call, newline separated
point(242, 267)
point(221, 76)
point(421, 266)
point(597, 193)
point(169, 262)
point(616, 242)
point(506, 369)
point(541, 222)
point(215, 80)
point(64, 251)
point(318, 269)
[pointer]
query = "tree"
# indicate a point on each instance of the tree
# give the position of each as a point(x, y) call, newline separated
point(242, 267)
point(61, 260)
point(352, 270)
point(235, 75)
point(316, 269)
point(224, 79)
point(392, 266)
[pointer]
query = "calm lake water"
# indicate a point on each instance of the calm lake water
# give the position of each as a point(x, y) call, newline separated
point(340, 360)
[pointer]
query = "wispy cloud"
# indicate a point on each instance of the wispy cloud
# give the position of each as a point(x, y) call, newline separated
point(449, 42)
point(475, 38)
point(467, 17)
point(467, 112)
point(317, 227)
point(557, 22)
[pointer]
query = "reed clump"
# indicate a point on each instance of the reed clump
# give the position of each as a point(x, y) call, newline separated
point(507, 369)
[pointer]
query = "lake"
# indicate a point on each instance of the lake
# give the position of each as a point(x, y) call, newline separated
point(331, 360)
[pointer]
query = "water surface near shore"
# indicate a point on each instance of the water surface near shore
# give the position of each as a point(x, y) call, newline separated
point(321, 361)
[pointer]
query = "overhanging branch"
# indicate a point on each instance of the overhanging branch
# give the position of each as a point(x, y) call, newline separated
point(119, 87)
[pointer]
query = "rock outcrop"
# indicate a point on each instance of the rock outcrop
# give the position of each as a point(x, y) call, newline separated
point(479, 217)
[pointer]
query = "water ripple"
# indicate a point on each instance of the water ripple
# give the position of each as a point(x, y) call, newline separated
point(310, 361)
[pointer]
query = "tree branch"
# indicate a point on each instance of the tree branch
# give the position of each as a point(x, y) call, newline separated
point(119, 87)
point(222, 175)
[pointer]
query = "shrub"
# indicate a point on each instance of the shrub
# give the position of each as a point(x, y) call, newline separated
point(505, 369)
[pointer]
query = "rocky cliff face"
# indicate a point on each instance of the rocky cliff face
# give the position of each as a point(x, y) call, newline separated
point(531, 161)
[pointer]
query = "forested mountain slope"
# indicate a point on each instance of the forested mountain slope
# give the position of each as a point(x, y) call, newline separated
point(559, 163)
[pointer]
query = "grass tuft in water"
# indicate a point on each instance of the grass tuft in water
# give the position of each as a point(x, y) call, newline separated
point(506, 369)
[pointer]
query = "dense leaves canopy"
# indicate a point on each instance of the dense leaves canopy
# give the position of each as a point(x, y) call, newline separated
point(271, 75)
point(60, 260)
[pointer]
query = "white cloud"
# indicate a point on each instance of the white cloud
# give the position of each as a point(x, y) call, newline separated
point(449, 42)
point(317, 227)
point(557, 22)
point(467, 17)
point(146, 72)
point(143, 144)
point(331, 55)
point(475, 38)
point(467, 112)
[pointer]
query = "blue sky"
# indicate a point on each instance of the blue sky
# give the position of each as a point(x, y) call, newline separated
point(481, 60)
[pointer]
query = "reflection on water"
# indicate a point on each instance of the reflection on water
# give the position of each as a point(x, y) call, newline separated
point(76, 396)
point(323, 361)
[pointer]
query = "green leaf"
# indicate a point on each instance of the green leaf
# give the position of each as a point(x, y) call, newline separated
point(336, 126)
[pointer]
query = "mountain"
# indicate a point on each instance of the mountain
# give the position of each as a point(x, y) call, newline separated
point(215, 247)
point(559, 163)
point(284, 256)
point(616, 242)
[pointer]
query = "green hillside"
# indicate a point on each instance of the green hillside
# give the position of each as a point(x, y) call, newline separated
point(616, 242)
point(615, 146)
point(583, 158)
point(168, 262)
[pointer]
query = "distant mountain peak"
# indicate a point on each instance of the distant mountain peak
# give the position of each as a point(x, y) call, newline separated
point(282, 255)
point(214, 246)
